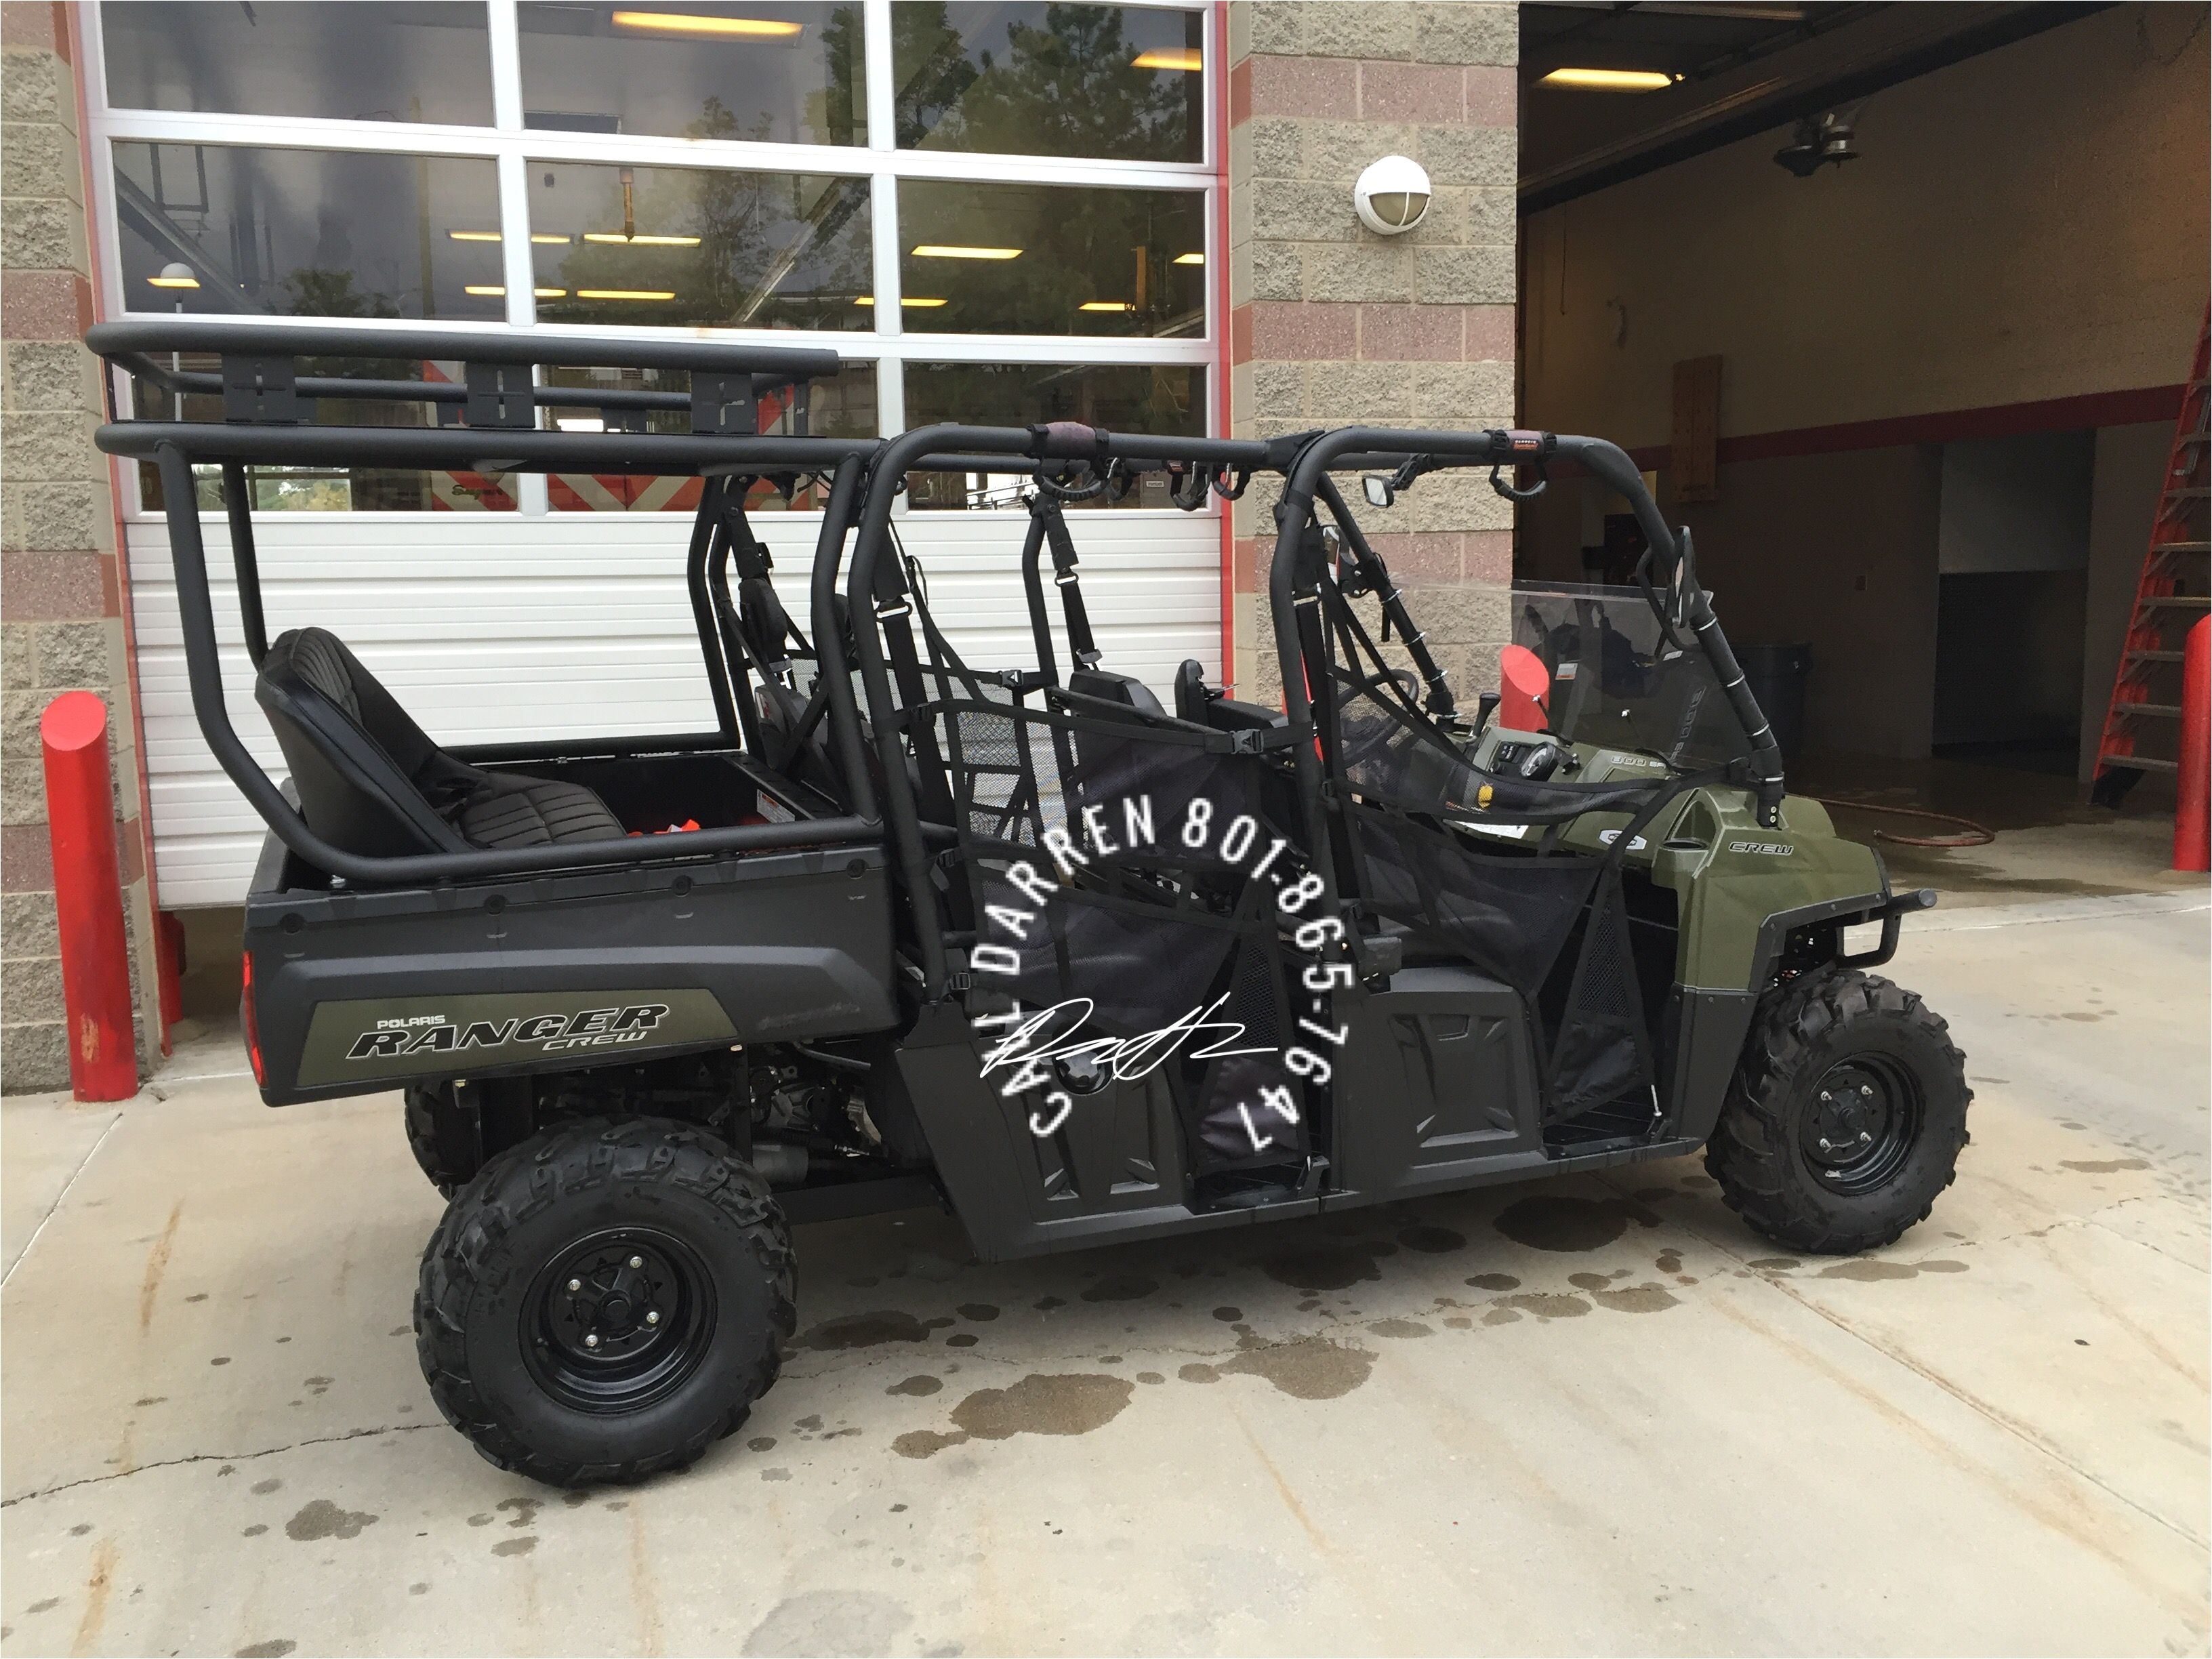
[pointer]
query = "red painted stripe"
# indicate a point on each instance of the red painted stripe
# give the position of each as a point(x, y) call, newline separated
point(2133, 408)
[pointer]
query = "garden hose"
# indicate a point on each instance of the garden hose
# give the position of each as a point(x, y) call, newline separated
point(1976, 835)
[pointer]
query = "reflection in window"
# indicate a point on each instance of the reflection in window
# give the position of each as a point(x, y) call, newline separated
point(1052, 259)
point(1034, 79)
point(842, 406)
point(332, 489)
point(679, 247)
point(308, 232)
point(772, 73)
point(1119, 397)
point(352, 62)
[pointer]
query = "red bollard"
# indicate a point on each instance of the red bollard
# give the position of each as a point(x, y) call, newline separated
point(89, 898)
point(1525, 684)
point(2192, 805)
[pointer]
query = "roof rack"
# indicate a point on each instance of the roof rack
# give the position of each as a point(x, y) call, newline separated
point(269, 404)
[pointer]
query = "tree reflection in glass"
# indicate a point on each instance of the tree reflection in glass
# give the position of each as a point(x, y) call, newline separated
point(1122, 83)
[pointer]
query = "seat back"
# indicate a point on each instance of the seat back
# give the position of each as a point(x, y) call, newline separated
point(1194, 703)
point(360, 767)
point(1124, 689)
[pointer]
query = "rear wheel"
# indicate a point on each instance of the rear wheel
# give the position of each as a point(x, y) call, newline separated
point(1845, 1116)
point(605, 1301)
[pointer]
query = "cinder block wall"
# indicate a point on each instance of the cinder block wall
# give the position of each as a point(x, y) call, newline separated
point(61, 621)
point(1331, 323)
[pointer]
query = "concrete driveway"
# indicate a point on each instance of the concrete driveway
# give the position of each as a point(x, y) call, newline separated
point(1586, 1414)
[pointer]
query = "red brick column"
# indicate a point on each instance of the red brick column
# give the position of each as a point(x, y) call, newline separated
point(61, 621)
point(1331, 323)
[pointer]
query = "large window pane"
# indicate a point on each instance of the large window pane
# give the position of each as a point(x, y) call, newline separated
point(308, 232)
point(1033, 79)
point(772, 73)
point(842, 406)
point(348, 63)
point(1048, 260)
point(1119, 397)
point(682, 246)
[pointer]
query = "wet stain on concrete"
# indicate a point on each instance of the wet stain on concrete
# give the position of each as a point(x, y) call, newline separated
point(1121, 1287)
point(1670, 1262)
point(254, 1531)
point(1458, 1322)
point(1400, 1329)
point(1067, 1403)
point(262, 1487)
point(1149, 1377)
point(981, 1312)
point(809, 1423)
point(1322, 1267)
point(2106, 1166)
point(323, 1519)
point(515, 1546)
point(81, 1528)
point(483, 1520)
point(1870, 1272)
point(418, 1590)
point(1547, 1305)
point(1495, 1282)
point(964, 1341)
point(1547, 1221)
point(1047, 1303)
point(830, 1622)
point(1432, 1241)
point(525, 1509)
point(1777, 1264)
point(1641, 1298)
point(916, 1385)
point(761, 1443)
point(862, 1330)
point(46, 1606)
point(219, 1359)
point(200, 1297)
point(151, 1400)
point(1304, 1367)
point(319, 1384)
point(775, 1475)
point(275, 1649)
point(1229, 1316)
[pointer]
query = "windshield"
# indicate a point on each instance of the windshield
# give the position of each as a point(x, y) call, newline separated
point(1616, 682)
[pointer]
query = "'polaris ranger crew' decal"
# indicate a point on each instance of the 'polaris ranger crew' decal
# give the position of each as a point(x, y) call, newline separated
point(411, 1036)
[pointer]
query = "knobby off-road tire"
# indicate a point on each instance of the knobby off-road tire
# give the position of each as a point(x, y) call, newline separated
point(447, 1172)
point(1845, 1116)
point(605, 1301)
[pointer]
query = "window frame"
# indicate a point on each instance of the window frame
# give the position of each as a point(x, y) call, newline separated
point(888, 342)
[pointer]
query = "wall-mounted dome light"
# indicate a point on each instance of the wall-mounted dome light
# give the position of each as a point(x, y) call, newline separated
point(1391, 195)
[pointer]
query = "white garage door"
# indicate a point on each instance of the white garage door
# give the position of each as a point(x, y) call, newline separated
point(499, 628)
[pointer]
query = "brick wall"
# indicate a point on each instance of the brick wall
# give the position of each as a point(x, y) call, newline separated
point(61, 625)
point(1331, 323)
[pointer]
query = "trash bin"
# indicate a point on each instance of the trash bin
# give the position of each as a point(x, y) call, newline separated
point(1775, 675)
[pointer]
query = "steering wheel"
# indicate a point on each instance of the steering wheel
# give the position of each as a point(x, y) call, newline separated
point(1372, 736)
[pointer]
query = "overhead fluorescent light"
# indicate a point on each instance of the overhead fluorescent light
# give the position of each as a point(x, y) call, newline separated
point(485, 290)
point(549, 236)
point(954, 251)
point(692, 23)
point(625, 294)
point(581, 422)
point(1610, 80)
point(174, 281)
point(1190, 259)
point(909, 301)
point(1170, 57)
point(640, 239)
point(494, 236)
point(1105, 305)
point(551, 292)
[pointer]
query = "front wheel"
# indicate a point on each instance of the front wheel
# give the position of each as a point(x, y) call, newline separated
point(1845, 1116)
point(604, 1301)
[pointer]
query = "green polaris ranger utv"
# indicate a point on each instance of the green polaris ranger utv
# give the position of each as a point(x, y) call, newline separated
point(1077, 958)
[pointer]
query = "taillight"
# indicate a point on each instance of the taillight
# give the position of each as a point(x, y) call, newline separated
point(245, 1017)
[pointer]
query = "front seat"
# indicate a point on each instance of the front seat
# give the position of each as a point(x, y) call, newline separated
point(372, 782)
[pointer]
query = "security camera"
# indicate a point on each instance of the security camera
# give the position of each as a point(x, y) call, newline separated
point(1391, 195)
point(1815, 145)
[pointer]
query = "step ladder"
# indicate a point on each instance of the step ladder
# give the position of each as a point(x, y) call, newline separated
point(2142, 725)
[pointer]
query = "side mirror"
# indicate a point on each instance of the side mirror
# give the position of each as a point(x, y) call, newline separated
point(1380, 492)
point(1526, 687)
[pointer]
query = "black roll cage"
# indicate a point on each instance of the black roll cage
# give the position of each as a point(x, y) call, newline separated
point(268, 415)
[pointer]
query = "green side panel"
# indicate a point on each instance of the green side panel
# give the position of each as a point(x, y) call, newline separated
point(401, 1038)
point(1731, 873)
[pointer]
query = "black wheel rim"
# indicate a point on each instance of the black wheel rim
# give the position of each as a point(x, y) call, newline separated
point(619, 1320)
point(1861, 1124)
